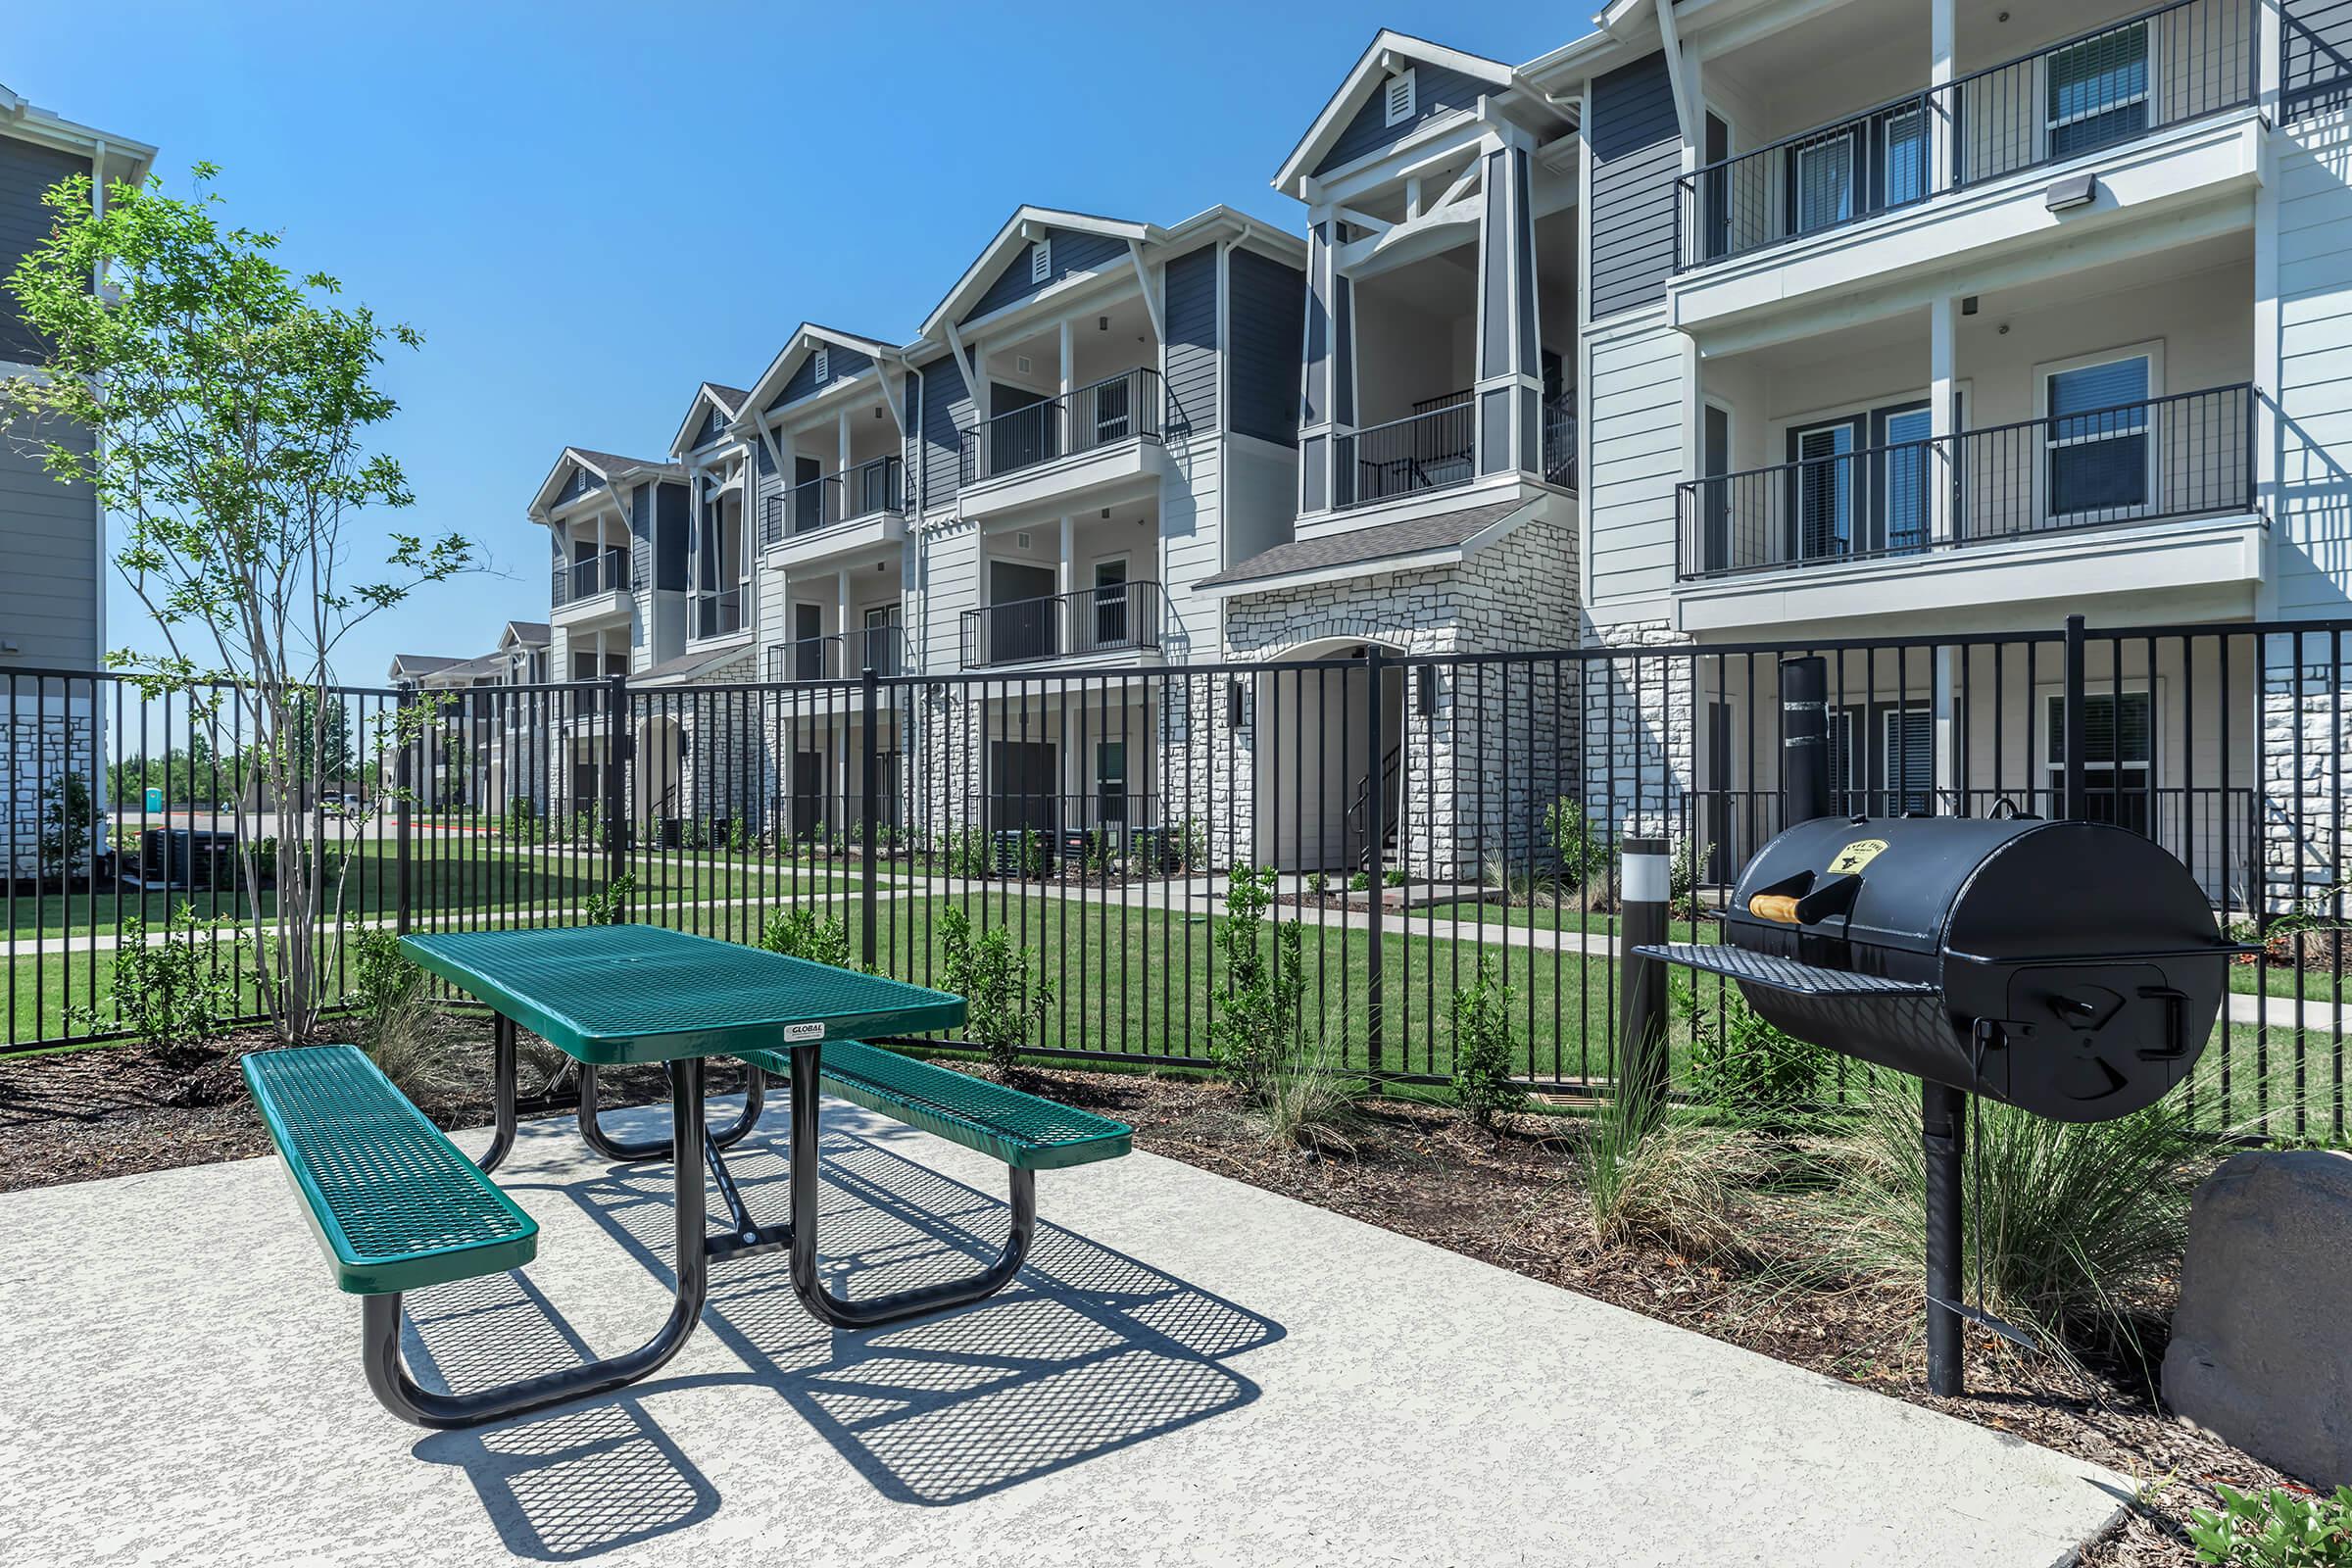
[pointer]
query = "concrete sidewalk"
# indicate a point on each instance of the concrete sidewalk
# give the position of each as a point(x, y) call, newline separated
point(1192, 1371)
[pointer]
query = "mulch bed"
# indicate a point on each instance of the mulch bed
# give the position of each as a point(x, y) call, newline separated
point(1506, 1198)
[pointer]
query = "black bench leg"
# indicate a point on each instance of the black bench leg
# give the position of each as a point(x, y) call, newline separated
point(898, 1308)
point(379, 1320)
point(592, 1130)
point(502, 1081)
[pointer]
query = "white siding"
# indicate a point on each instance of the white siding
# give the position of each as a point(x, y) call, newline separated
point(2314, 525)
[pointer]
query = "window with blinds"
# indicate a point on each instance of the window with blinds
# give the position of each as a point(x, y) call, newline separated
point(2119, 754)
point(2099, 449)
point(2098, 91)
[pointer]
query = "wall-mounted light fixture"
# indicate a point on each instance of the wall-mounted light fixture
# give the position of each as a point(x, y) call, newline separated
point(1425, 690)
point(1234, 716)
point(2076, 190)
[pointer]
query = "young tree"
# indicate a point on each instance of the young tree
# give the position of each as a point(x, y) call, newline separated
point(231, 402)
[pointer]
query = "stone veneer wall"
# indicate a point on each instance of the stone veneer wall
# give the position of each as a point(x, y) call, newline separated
point(2306, 768)
point(1499, 741)
point(1638, 733)
point(45, 740)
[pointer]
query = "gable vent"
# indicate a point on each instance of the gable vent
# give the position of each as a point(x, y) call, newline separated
point(1041, 262)
point(1022, 364)
point(1021, 540)
point(824, 365)
point(1400, 100)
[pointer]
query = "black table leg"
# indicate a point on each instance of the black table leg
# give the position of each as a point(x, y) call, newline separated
point(379, 1319)
point(592, 1131)
point(502, 1090)
point(896, 1307)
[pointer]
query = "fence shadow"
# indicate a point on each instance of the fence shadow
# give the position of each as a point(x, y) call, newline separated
point(1089, 1352)
point(559, 1488)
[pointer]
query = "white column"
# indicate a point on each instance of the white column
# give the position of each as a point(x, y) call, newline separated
point(1064, 572)
point(1944, 313)
point(1941, 53)
point(1067, 380)
point(1947, 727)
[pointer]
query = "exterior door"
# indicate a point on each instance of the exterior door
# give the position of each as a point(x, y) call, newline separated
point(1822, 512)
point(1024, 776)
point(807, 793)
point(807, 494)
point(1022, 612)
point(1110, 604)
point(1904, 480)
point(808, 642)
point(881, 649)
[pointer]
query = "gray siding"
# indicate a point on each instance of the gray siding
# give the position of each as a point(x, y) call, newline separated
point(766, 484)
point(1192, 309)
point(714, 423)
point(1637, 152)
point(946, 407)
point(26, 172)
point(839, 364)
point(1436, 90)
point(49, 593)
point(1269, 304)
point(1068, 252)
point(641, 537)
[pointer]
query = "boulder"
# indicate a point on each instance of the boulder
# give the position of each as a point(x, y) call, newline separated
point(2262, 1340)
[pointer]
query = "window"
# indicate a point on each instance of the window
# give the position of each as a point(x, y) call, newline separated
point(1398, 97)
point(1882, 768)
point(1824, 510)
point(1041, 262)
point(1825, 183)
point(824, 365)
point(1906, 156)
point(2098, 91)
point(2119, 752)
point(2100, 456)
point(1110, 781)
point(1906, 465)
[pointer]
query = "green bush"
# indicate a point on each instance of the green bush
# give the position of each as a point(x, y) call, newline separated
point(1318, 884)
point(1682, 878)
point(381, 975)
point(2275, 1529)
point(1745, 1069)
point(1258, 1029)
point(1394, 876)
point(1361, 882)
point(799, 933)
point(610, 904)
point(966, 853)
point(174, 991)
point(398, 1026)
point(1581, 850)
point(1002, 1000)
point(1483, 1050)
point(523, 819)
point(68, 823)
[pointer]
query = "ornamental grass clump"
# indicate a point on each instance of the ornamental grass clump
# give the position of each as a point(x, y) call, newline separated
point(1651, 1179)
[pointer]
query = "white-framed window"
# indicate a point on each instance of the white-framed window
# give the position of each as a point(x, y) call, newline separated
point(1041, 262)
point(2099, 443)
point(2096, 91)
point(2119, 753)
point(1398, 97)
point(824, 365)
point(1825, 183)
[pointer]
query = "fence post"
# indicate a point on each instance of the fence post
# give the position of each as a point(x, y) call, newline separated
point(871, 775)
point(615, 780)
point(1376, 832)
point(404, 772)
point(2077, 798)
point(1648, 879)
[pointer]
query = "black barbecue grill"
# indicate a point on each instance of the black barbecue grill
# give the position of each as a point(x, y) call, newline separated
point(2072, 969)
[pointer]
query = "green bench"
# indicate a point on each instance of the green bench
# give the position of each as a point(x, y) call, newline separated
point(391, 1200)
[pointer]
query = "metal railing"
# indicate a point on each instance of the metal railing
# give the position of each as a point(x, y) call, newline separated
point(1128, 406)
point(1117, 618)
point(875, 486)
point(2114, 85)
point(1435, 448)
point(604, 573)
point(836, 657)
point(719, 615)
point(1559, 442)
point(2158, 459)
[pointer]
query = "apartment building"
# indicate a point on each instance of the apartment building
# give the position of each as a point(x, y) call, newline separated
point(484, 746)
point(53, 595)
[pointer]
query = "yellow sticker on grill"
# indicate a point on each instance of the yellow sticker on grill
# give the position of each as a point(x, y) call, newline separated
point(1855, 856)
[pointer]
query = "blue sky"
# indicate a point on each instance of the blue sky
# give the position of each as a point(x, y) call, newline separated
point(587, 208)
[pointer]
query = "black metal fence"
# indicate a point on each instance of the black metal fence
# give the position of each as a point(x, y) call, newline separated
point(2113, 84)
point(1425, 816)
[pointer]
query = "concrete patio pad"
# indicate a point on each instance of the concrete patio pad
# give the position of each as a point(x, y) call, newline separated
point(1192, 1371)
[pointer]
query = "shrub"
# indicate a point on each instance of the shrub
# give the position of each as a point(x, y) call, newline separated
point(1483, 1050)
point(799, 933)
point(1361, 882)
point(173, 989)
point(610, 904)
point(1002, 1000)
point(1266, 984)
point(523, 819)
point(966, 853)
point(1305, 1104)
point(398, 1027)
point(381, 976)
point(739, 836)
point(1745, 1069)
point(1394, 876)
point(1681, 879)
point(1648, 1178)
point(1318, 884)
point(1192, 846)
point(2275, 1529)
point(1036, 861)
point(69, 824)
point(1580, 850)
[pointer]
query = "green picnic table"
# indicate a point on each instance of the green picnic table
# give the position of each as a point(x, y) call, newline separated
point(397, 1207)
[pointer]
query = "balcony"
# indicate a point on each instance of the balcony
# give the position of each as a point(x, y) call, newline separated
point(2105, 88)
point(597, 585)
point(1435, 448)
point(1100, 433)
point(883, 648)
point(719, 615)
point(2099, 500)
point(1128, 617)
point(870, 489)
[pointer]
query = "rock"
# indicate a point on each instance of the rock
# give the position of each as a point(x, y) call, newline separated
point(2262, 1340)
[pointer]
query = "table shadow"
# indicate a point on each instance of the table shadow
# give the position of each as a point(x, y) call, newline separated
point(1088, 1351)
point(567, 1485)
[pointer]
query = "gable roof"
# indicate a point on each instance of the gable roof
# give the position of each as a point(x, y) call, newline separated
point(727, 400)
point(128, 160)
point(527, 634)
point(998, 252)
point(412, 666)
point(1441, 539)
point(1363, 79)
point(804, 342)
point(608, 467)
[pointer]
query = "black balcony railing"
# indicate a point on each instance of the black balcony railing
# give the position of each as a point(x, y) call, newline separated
point(1430, 450)
point(1126, 407)
point(1559, 442)
point(2154, 461)
point(719, 615)
point(870, 488)
point(2097, 89)
point(1127, 617)
point(883, 648)
point(595, 574)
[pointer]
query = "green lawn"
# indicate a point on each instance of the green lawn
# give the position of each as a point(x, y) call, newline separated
point(2320, 983)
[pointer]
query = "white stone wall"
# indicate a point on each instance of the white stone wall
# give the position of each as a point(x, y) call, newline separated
point(2306, 768)
point(1638, 733)
point(45, 740)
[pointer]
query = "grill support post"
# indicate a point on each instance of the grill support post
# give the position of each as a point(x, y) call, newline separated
point(1804, 739)
point(1944, 1131)
point(1641, 1010)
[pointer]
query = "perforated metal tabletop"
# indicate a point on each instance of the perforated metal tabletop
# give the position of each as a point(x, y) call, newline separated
point(634, 993)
